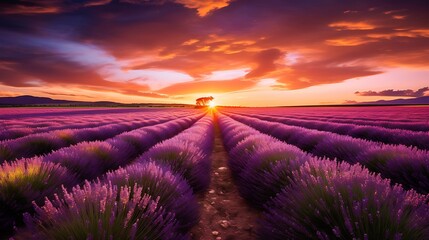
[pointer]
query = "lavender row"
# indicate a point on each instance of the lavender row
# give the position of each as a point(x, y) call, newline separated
point(27, 180)
point(384, 113)
point(372, 133)
point(36, 122)
point(403, 165)
point(20, 129)
point(22, 113)
point(188, 153)
point(42, 143)
point(412, 126)
point(393, 124)
point(40, 121)
point(307, 198)
point(155, 190)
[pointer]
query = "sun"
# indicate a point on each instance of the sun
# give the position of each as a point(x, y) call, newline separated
point(212, 104)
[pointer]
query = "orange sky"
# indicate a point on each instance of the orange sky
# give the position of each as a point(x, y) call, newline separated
point(242, 52)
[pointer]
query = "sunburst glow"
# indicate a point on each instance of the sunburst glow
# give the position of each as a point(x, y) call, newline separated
point(212, 104)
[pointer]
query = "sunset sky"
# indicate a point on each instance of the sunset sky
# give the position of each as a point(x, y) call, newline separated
point(242, 52)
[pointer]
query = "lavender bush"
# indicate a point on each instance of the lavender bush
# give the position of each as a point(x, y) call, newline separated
point(239, 155)
point(329, 200)
point(103, 211)
point(88, 159)
point(25, 181)
point(267, 171)
point(352, 150)
point(184, 158)
point(409, 167)
point(29, 146)
point(157, 181)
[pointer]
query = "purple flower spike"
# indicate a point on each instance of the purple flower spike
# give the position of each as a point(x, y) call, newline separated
point(103, 211)
point(409, 167)
point(88, 159)
point(259, 181)
point(184, 158)
point(29, 146)
point(341, 147)
point(240, 154)
point(172, 191)
point(25, 181)
point(329, 200)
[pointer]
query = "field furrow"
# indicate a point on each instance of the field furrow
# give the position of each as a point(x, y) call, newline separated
point(411, 125)
point(371, 133)
point(301, 196)
point(43, 143)
point(82, 162)
point(404, 165)
point(16, 129)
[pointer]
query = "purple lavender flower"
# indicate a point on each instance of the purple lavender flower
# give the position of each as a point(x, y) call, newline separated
point(27, 180)
point(306, 139)
point(103, 211)
point(88, 159)
point(139, 139)
point(128, 151)
point(159, 132)
point(329, 200)
point(267, 171)
point(341, 147)
point(184, 158)
point(11, 133)
point(240, 154)
point(28, 146)
point(409, 167)
point(157, 181)
point(231, 139)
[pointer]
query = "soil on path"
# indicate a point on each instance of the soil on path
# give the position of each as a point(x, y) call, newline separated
point(224, 214)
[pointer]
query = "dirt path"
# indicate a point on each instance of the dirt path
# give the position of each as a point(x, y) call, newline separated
point(224, 214)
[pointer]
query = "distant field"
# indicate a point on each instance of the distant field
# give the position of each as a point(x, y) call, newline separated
point(146, 173)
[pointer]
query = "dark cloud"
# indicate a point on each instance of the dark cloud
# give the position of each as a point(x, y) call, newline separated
point(34, 7)
point(396, 93)
point(350, 102)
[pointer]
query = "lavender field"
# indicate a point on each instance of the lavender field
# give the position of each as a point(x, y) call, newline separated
point(157, 173)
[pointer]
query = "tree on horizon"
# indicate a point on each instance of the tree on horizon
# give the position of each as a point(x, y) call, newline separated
point(204, 101)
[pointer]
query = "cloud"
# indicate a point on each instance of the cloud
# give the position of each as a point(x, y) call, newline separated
point(352, 26)
point(349, 41)
point(159, 48)
point(66, 94)
point(265, 62)
point(83, 65)
point(350, 102)
point(316, 73)
point(204, 6)
point(34, 7)
point(8, 94)
point(396, 93)
point(208, 87)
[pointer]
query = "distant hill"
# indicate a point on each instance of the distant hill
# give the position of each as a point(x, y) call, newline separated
point(28, 100)
point(32, 100)
point(400, 101)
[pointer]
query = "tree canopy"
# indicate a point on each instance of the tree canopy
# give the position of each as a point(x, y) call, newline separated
point(204, 101)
